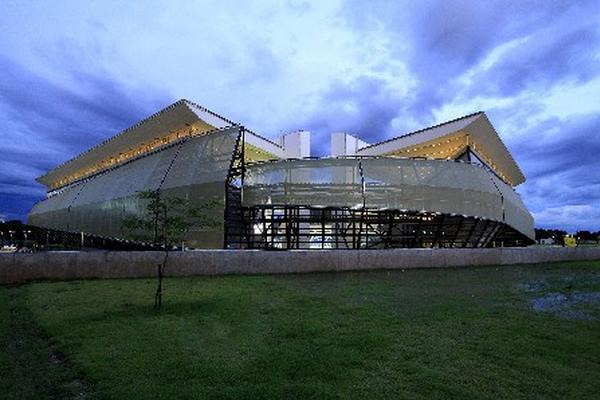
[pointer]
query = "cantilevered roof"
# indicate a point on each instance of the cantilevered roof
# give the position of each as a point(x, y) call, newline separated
point(448, 139)
point(180, 119)
point(177, 119)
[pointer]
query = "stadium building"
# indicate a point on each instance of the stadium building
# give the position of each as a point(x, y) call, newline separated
point(449, 185)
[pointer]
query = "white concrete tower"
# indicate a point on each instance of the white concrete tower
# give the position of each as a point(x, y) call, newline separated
point(344, 144)
point(295, 144)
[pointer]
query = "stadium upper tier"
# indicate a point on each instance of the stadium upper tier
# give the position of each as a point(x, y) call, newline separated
point(178, 121)
point(471, 136)
point(445, 186)
point(388, 183)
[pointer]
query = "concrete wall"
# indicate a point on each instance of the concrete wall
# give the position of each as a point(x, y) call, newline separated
point(18, 268)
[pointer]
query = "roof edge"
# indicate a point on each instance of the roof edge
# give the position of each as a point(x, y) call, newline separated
point(263, 138)
point(422, 130)
point(206, 110)
point(524, 178)
point(40, 179)
point(137, 157)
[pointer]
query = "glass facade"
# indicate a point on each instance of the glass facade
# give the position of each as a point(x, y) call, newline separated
point(386, 183)
point(195, 168)
point(348, 202)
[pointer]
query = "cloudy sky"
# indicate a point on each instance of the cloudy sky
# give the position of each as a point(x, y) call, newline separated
point(75, 73)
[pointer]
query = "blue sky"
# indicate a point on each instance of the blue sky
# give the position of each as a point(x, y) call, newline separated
point(75, 73)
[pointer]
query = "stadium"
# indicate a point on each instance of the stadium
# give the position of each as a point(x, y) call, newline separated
point(449, 185)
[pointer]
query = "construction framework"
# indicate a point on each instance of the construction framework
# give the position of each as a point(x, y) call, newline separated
point(306, 227)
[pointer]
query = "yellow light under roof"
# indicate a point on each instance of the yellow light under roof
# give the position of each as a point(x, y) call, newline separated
point(114, 160)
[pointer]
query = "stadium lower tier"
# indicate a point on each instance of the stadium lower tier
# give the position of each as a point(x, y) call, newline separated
point(304, 227)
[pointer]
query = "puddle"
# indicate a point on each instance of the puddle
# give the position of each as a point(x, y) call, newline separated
point(530, 287)
point(544, 285)
point(573, 306)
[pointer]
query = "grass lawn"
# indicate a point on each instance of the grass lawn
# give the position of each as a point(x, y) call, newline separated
point(508, 332)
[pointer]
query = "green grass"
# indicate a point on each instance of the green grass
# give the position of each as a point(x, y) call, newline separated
point(31, 365)
point(445, 333)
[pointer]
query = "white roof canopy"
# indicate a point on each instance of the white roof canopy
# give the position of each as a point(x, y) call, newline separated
point(180, 119)
point(477, 132)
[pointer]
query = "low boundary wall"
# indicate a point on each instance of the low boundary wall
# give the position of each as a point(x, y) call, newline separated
point(19, 268)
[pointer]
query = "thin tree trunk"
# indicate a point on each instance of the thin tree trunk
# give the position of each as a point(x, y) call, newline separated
point(158, 294)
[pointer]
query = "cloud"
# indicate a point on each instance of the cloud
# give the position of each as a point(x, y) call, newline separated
point(559, 158)
point(75, 118)
point(47, 122)
point(570, 217)
point(554, 146)
point(442, 40)
point(261, 66)
point(365, 107)
point(546, 58)
point(377, 69)
point(15, 205)
point(435, 45)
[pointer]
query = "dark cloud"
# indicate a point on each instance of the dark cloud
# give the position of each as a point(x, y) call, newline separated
point(544, 60)
point(77, 119)
point(47, 122)
point(560, 160)
point(15, 206)
point(351, 106)
point(363, 107)
point(554, 146)
point(442, 40)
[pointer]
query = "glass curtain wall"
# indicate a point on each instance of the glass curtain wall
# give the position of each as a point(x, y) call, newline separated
point(194, 169)
point(389, 202)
